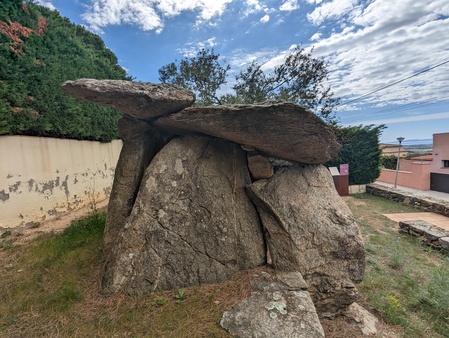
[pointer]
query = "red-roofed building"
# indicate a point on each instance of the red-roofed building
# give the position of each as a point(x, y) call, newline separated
point(426, 172)
point(422, 158)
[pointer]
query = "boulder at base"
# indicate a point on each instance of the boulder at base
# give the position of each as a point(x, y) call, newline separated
point(274, 310)
point(192, 222)
point(311, 230)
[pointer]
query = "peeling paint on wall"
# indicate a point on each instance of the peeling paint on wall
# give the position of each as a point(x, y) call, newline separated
point(4, 196)
point(30, 184)
point(14, 187)
point(48, 177)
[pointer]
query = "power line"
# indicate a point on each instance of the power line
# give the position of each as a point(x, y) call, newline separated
point(396, 82)
point(408, 106)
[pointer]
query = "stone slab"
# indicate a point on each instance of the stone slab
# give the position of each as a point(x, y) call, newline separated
point(282, 130)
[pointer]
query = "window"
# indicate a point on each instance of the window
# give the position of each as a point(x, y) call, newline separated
point(445, 163)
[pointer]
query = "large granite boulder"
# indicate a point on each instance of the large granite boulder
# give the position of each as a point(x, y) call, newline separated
point(283, 130)
point(192, 222)
point(141, 100)
point(311, 230)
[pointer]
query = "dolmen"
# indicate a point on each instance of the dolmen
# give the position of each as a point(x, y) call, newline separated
point(202, 192)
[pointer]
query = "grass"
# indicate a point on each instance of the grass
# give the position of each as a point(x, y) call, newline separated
point(50, 287)
point(405, 281)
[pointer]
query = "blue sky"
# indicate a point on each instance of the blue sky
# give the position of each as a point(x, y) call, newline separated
point(369, 44)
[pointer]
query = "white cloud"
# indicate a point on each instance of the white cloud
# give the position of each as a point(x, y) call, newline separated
point(193, 49)
point(289, 5)
point(316, 36)
point(148, 14)
point(265, 19)
point(331, 10)
point(374, 46)
point(314, 2)
point(252, 6)
point(44, 3)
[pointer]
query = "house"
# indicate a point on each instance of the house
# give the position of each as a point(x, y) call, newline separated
point(393, 149)
point(439, 169)
point(427, 172)
point(428, 158)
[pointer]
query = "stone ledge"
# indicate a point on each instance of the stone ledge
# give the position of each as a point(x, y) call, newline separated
point(427, 204)
point(428, 233)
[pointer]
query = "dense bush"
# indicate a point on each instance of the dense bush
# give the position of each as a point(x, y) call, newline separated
point(388, 162)
point(39, 50)
point(360, 149)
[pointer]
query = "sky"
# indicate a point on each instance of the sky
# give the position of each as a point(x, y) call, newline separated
point(388, 60)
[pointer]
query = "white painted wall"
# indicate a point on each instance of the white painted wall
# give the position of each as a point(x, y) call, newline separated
point(42, 178)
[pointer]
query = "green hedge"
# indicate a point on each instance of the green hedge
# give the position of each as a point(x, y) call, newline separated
point(388, 162)
point(31, 74)
point(360, 149)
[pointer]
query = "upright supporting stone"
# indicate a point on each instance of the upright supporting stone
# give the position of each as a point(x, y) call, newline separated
point(192, 222)
point(311, 230)
point(136, 155)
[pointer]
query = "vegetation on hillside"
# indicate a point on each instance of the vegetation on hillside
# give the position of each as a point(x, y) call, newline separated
point(51, 287)
point(39, 50)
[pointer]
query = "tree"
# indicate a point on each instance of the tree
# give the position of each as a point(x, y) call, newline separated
point(360, 149)
point(202, 74)
point(300, 79)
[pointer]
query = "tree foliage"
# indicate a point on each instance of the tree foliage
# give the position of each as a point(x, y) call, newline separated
point(202, 74)
point(39, 50)
point(300, 79)
point(389, 161)
point(360, 149)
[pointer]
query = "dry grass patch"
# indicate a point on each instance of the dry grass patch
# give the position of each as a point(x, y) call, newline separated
point(51, 288)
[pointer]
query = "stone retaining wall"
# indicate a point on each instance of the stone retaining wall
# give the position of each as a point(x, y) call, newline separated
point(429, 234)
point(430, 205)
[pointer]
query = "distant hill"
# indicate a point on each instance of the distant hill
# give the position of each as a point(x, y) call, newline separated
point(39, 50)
point(413, 142)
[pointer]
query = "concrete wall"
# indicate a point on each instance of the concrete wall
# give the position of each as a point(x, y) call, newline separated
point(42, 178)
point(411, 174)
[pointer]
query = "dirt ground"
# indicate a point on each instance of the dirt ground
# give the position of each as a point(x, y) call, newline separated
point(22, 235)
point(429, 217)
